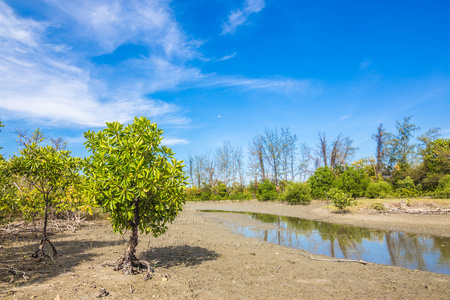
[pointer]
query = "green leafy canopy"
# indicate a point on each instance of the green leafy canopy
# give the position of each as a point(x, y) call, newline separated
point(132, 176)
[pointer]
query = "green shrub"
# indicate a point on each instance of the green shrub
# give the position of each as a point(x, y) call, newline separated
point(353, 181)
point(378, 206)
point(320, 182)
point(406, 183)
point(443, 189)
point(297, 193)
point(241, 196)
point(267, 191)
point(406, 188)
point(380, 189)
point(340, 199)
point(206, 195)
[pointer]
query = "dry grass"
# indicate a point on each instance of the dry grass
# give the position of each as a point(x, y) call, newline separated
point(365, 203)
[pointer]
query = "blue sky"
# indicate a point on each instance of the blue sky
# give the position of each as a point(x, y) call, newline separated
point(213, 70)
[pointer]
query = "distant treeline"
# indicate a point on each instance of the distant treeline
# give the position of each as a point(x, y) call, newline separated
point(403, 166)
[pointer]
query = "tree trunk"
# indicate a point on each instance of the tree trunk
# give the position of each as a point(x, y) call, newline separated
point(44, 238)
point(129, 257)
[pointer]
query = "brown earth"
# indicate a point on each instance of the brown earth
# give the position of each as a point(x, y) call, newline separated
point(199, 257)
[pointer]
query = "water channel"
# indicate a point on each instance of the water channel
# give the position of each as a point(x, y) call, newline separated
point(409, 250)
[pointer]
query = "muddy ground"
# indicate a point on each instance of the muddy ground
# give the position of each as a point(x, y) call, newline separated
point(201, 258)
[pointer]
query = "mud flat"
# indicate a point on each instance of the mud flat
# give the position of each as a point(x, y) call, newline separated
point(199, 257)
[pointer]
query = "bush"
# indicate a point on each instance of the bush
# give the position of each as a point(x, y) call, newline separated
point(297, 193)
point(267, 191)
point(206, 195)
point(340, 199)
point(353, 181)
point(380, 189)
point(443, 190)
point(378, 206)
point(406, 183)
point(193, 193)
point(320, 182)
point(241, 196)
point(406, 188)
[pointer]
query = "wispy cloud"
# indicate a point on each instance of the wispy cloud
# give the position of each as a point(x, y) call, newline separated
point(41, 80)
point(275, 85)
point(226, 57)
point(173, 141)
point(111, 23)
point(45, 78)
point(345, 117)
point(239, 17)
point(365, 64)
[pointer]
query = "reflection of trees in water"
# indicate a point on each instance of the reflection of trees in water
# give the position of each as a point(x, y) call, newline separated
point(442, 246)
point(348, 238)
point(406, 249)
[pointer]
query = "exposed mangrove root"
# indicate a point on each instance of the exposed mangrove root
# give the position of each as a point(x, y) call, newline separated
point(131, 266)
point(307, 254)
point(11, 271)
point(40, 252)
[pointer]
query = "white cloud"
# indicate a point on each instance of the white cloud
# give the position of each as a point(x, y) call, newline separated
point(345, 117)
point(173, 141)
point(226, 57)
point(239, 17)
point(75, 140)
point(111, 23)
point(51, 81)
point(275, 85)
point(40, 81)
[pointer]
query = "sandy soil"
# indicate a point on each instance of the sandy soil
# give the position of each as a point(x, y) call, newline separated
point(200, 258)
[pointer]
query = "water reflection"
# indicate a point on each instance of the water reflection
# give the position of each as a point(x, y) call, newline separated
point(427, 253)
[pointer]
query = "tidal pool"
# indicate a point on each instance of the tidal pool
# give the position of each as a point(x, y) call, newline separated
point(409, 250)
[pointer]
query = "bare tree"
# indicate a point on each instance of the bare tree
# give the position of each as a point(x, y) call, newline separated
point(322, 149)
point(340, 153)
point(256, 157)
point(238, 161)
point(272, 152)
point(190, 169)
point(210, 169)
point(24, 138)
point(288, 153)
point(380, 138)
point(198, 169)
point(306, 159)
point(58, 143)
point(224, 160)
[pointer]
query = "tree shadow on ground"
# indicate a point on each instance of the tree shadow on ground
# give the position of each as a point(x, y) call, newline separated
point(37, 270)
point(184, 255)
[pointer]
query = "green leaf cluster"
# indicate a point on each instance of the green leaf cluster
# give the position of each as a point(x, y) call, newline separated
point(267, 191)
point(380, 189)
point(353, 181)
point(443, 190)
point(340, 199)
point(297, 193)
point(133, 177)
point(321, 181)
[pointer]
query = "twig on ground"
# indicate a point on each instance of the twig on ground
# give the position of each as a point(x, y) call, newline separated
point(336, 259)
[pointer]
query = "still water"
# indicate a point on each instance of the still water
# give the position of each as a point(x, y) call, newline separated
point(409, 250)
